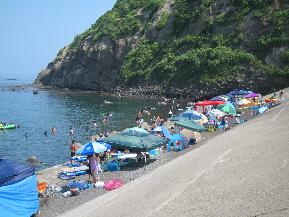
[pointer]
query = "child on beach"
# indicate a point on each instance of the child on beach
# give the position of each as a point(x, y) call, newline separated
point(95, 168)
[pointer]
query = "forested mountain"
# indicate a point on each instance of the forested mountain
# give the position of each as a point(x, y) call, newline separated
point(178, 48)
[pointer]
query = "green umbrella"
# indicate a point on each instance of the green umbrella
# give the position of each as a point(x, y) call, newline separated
point(228, 108)
point(191, 125)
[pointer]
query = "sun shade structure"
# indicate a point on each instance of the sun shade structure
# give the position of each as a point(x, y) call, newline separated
point(227, 108)
point(239, 92)
point(18, 189)
point(136, 143)
point(191, 125)
point(135, 131)
point(209, 103)
point(252, 95)
point(219, 98)
point(91, 148)
point(163, 130)
point(190, 115)
point(216, 113)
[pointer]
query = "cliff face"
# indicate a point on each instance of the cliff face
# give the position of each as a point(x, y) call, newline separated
point(179, 47)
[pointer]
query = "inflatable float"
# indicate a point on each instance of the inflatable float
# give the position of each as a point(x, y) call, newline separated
point(7, 126)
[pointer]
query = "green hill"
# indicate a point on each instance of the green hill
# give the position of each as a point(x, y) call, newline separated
point(179, 48)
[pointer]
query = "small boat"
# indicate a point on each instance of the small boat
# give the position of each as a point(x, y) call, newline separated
point(7, 126)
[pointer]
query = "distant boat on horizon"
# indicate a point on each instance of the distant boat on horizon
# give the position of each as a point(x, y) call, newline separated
point(11, 79)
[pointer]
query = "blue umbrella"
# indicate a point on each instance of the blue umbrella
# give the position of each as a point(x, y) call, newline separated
point(91, 148)
point(164, 130)
point(108, 146)
point(218, 98)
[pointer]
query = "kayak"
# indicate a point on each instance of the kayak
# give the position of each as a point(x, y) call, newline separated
point(7, 126)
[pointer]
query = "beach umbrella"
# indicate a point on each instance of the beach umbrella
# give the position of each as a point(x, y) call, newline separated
point(191, 125)
point(219, 98)
point(227, 108)
point(244, 102)
point(252, 95)
point(263, 109)
point(91, 148)
point(135, 131)
point(157, 129)
point(216, 113)
point(108, 146)
point(163, 130)
point(192, 115)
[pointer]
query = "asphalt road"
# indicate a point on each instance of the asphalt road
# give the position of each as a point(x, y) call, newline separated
point(242, 172)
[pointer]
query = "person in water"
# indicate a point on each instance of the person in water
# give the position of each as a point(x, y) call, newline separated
point(53, 129)
point(45, 133)
point(71, 131)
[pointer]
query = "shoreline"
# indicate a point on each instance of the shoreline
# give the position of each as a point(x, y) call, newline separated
point(57, 205)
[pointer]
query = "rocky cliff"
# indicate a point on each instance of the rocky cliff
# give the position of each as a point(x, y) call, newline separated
point(178, 48)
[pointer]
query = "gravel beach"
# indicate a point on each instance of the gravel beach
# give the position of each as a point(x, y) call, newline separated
point(57, 204)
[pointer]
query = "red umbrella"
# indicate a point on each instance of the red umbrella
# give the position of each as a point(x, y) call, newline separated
point(208, 103)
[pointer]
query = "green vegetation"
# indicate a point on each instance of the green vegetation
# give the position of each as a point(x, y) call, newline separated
point(162, 22)
point(124, 20)
point(190, 58)
point(210, 56)
point(284, 56)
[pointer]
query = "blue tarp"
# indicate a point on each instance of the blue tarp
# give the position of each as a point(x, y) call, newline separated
point(19, 199)
point(11, 172)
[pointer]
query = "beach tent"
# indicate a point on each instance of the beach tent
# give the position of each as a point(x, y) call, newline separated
point(227, 108)
point(18, 190)
point(189, 134)
point(163, 130)
point(207, 103)
point(136, 143)
point(178, 141)
point(191, 125)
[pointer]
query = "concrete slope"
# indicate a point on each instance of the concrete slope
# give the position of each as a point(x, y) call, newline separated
point(243, 172)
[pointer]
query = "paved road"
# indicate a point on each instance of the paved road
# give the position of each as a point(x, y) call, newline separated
point(243, 172)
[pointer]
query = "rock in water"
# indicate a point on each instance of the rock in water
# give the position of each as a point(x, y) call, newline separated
point(33, 160)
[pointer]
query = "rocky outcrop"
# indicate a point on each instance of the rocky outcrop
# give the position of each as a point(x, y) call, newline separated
point(90, 67)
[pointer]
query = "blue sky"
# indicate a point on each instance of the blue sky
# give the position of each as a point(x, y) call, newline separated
point(33, 31)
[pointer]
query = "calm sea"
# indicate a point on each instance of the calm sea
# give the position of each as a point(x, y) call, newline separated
point(39, 113)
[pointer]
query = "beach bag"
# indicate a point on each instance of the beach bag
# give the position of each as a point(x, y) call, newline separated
point(112, 184)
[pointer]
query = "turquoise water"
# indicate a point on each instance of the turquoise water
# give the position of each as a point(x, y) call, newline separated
point(39, 113)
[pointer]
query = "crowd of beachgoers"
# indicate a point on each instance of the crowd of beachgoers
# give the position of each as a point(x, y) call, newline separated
point(112, 159)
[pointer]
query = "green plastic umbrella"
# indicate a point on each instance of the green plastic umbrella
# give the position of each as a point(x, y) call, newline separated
point(191, 125)
point(228, 108)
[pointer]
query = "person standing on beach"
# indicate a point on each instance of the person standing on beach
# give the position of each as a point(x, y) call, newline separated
point(73, 149)
point(170, 113)
point(95, 168)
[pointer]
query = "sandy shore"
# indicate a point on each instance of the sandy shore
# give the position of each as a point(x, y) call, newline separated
point(57, 204)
